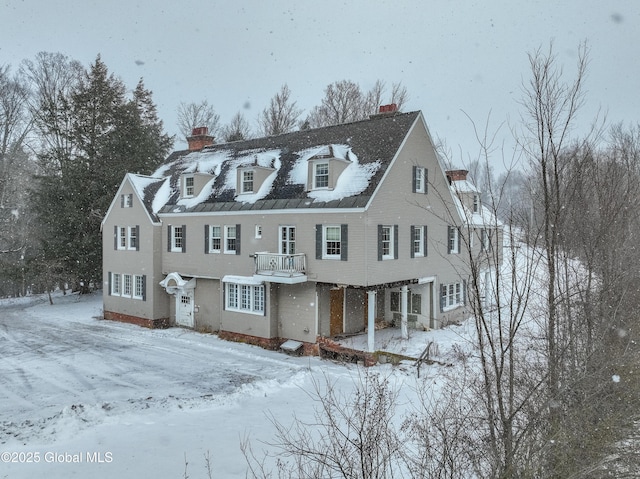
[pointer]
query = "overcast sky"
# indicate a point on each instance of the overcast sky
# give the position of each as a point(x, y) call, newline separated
point(455, 57)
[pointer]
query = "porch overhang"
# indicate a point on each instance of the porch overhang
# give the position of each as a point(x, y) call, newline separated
point(174, 283)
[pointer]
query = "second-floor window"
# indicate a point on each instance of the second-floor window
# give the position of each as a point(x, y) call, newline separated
point(177, 238)
point(247, 181)
point(485, 240)
point(387, 242)
point(332, 242)
point(215, 239)
point(230, 239)
point(287, 239)
point(122, 237)
point(321, 175)
point(133, 237)
point(418, 241)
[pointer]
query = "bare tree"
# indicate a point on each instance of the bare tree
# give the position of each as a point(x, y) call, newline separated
point(281, 115)
point(237, 129)
point(194, 115)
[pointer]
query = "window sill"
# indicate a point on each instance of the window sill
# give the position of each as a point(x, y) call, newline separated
point(451, 308)
point(244, 311)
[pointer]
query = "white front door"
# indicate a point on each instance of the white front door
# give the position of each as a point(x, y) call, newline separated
point(184, 310)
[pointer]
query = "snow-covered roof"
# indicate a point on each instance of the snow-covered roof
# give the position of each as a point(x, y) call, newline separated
point(365, 148)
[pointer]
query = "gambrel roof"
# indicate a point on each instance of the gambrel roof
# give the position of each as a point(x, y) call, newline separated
point(367, 147)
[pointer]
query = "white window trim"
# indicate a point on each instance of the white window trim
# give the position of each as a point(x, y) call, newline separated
point(127, 201)
point(391, 254)
point(127, 294)
point(188, 194)
point(242, 181)
point(420, 176)
point(131, 229)
point(258, 231)
point(476, 203)
point(227, 238)
point(455, 248)
point(136, 278)
point(212, 237)
point(289, 241)
point(418, 230)
point(454, 296)
point(122, 238)
point(325, 255)
point(174, 247)
point(116, 284)
point(238, 289)
point(314, 185)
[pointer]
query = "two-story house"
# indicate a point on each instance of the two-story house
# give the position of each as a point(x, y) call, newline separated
point(297, 236)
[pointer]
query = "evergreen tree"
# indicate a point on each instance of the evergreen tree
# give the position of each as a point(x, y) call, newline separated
point(110, 136)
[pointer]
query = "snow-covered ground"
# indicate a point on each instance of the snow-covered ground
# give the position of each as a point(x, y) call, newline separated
point(84, 397)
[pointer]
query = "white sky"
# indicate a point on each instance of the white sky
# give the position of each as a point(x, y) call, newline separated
point(453, 56)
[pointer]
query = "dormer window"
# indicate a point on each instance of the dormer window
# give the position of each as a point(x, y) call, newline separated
point(321, 175)
point(247, 181)
point(189, 186)
point(476, 204)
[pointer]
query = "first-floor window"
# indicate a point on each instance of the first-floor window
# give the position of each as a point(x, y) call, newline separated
point(128, 285)
point(138, 287)
point(116, 288)
point(452, 295)
point(414, 301)
point(246, 298)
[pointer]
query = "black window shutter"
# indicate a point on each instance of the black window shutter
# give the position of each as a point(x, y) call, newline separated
point(169, 238)
point(411, 237)
point(115, 237)
point(144, 287)
point(184, 238)
point(238, 239)
point(443, 296)
point(109, 281)
point(344, 242)
point(379, 242)
point(447, 242)
point(464, 292)
point(426, 181)
point(131, 199)
point(206, 239)
point(459, 240)
point(318, 241)
point(425, 240)
point(137, 237)
point(395, 241)
point(121, 201)
point(414, 179)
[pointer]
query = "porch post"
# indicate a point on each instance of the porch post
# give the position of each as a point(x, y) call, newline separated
point(371, 321)
point(403, 311)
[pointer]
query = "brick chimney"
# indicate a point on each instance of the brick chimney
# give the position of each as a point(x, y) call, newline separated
point(199, 138)
point(390, 108)
point(456, 175)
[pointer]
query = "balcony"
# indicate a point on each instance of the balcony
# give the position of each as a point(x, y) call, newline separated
point(281, 268)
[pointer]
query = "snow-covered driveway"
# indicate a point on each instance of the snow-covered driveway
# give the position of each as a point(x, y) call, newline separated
point(73, 384)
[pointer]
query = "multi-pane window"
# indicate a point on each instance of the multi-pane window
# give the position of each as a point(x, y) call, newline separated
point(246, 298)
point(138, 287)
point(453, 239)
point(321, 175)
point(133, 237)
point(419, 179)
point(452, 295)
point(128, 285)
point(177, 238)
point(387, 242)
point(332, 242)
point(247, 181)
point(417, 241)
point(215, 240)
point(230, 239)
point(476, 204)
point(116, 287)
point(122, 237)
point(126, 201)
point(189, 186)
point(287, 239)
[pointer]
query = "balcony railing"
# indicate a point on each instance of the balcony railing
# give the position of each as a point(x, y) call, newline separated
point(274, 264)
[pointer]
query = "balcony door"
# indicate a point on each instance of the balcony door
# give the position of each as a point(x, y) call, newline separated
point(287, 240)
